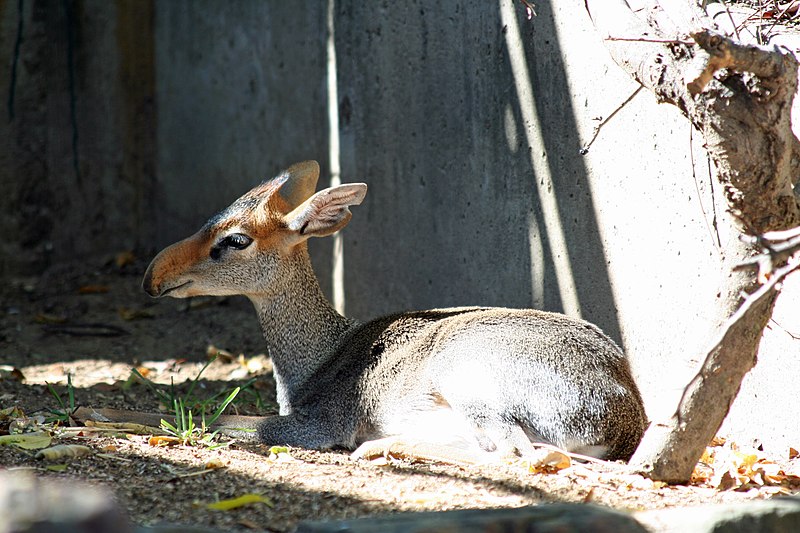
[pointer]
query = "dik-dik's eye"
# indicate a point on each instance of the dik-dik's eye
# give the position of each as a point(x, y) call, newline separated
point(236, 241)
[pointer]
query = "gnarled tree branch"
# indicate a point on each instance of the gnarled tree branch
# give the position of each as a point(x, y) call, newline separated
point(739, 97)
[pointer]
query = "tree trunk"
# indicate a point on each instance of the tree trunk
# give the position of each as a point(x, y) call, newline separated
point(739, 97)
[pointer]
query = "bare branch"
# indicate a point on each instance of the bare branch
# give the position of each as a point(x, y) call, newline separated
point(743, 313)
point(596, 132)
point(721, 52)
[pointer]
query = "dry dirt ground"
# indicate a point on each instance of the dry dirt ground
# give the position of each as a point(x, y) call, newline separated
point(95, 324)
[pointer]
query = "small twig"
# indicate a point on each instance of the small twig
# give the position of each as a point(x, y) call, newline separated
point(792, 335)
point(777, 247)
point(530, 9)
point(777, 19)
point(596, 132)
point(696, 184)
point(713, 201)
point(733, 23)
point(86, 330)
point(651, 40)
point(781, 236)
point(194, 474)
point(12, 87)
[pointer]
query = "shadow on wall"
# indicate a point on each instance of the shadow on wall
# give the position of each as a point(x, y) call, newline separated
point(564, 229)
point(460, 120)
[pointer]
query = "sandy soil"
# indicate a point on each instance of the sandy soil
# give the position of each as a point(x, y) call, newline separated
point(96, 325)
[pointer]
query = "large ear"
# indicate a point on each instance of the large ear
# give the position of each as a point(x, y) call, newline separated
point(327, 211)
point(298, 182)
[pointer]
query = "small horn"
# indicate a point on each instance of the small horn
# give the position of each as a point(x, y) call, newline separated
point(299, 182)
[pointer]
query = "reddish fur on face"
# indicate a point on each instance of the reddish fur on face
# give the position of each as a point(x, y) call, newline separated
point(263, 223)
point(258, 214)
point(174, 261)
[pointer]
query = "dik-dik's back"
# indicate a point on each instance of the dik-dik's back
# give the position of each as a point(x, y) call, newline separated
point(465, 382)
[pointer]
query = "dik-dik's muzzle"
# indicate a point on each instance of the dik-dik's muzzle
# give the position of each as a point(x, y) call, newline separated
point(167, 271)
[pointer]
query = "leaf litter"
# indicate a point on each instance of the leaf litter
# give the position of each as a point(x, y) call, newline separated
point(728, 466)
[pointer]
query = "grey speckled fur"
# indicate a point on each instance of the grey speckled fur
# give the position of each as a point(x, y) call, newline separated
point(484, 379)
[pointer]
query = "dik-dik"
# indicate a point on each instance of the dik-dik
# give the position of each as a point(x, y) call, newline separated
point(454, 384)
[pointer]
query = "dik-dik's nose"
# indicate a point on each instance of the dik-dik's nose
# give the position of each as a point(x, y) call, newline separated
point(153, 289)
point(167, 270)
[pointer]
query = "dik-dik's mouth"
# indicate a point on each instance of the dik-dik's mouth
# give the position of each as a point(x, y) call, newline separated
point(175, 288)
point(158, 292)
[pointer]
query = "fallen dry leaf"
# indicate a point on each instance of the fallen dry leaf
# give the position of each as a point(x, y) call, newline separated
point(224, 355)
point(63, 451)
point(786, 10)
point(547, 461)
point(125, 427)
point(635, 481)
point(93, 289)
point(701, 474)
point(234, 503)
point(163, 440)
point(134, 314)
point(46, 318)
point(730, 467)
point(27, 441)
point(9, 413)
point(215, 463)
point(123, 259)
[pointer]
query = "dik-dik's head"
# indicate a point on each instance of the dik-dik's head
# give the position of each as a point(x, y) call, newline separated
point(241, 250)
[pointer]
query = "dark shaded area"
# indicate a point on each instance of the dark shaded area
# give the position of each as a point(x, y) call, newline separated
point(540, 519)
point(42, 318)
point(137, 51)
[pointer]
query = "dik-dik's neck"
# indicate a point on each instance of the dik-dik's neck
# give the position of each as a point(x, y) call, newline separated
point(300, 326)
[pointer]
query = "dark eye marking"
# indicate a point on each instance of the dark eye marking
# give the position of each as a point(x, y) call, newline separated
point(236, 241)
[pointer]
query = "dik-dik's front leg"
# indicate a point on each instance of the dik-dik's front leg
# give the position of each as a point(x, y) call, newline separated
point(289, 430)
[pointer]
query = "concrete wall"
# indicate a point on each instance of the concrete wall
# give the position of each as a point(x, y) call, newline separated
point(76, 159)
point(133, 121)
